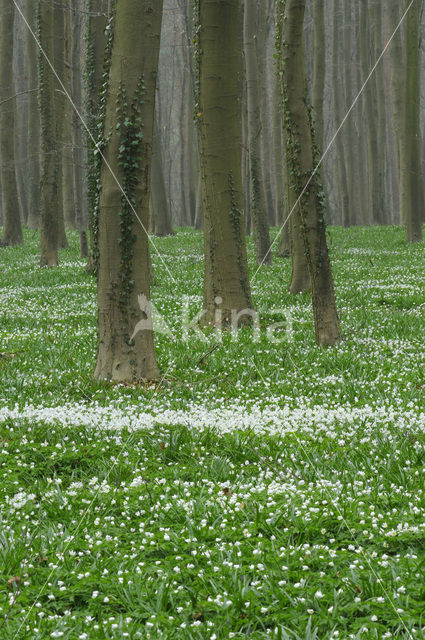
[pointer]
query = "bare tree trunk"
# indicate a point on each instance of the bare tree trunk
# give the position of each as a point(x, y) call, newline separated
point(77, 134)
point(380, 111)
point(338, 80)
point(67, 159)
point(21, 116)
point(259, 208)
point(361, 130)
point(125, 353)
point(410, 159)
point(12, 231)
point(49, 219)
point(278, 156)
point(98, 13)
point(319, 69)
point(369, 114)
point(300, 161)
point(350, 140)
point(33, 120)
point(59, 111)
point(226, 283)
point(159, 212)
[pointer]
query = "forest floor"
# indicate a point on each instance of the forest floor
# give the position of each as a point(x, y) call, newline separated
point(266, 490)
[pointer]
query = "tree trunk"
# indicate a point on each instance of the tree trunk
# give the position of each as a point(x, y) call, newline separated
point(198, 215)
point(12, 231)
point(33, 120)
point(300, 162)
point(96, 40)
point(369, 115)
point(397, 65)
point(226, 282)
point(125, 353)
point(59, 112)
point(67, 157)
point(380, 111)
point(159, 210)
point(338, 78)
point(49, 227)
point(278, 156)
point(350, 139)
point(77, 134)
point(363, 194)
point(259, 209)
point(410, 160)
point(21, 117)
point(319, 69)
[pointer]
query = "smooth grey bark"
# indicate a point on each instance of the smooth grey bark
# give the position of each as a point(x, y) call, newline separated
point(67, 157)
point(319, 69)
point(410, 161)
point(226, 281)
point(309, 212)
point(160, 218)
point(59, 111)
point(49, 219)
point(12, 230)
point(77, 133)
point(33, 132)
point(258, 198)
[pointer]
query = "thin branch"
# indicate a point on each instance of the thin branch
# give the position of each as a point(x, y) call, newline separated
point(17, 95)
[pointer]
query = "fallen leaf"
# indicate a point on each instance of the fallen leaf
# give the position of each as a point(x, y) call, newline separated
point(15, 581)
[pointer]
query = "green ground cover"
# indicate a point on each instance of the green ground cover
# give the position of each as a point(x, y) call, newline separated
point(270, 489)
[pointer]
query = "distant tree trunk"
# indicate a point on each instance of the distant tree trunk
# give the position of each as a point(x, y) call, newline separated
point(397, 66)
point(319, 69)
point(391, 18)
point(193, 167)
point(198, 217)
point(284, 250)
point(49, 223)
point(59, 111)
point(278, 155)
point(363, 194)
point(159, 210)
point(246, 181)
point(259, 209)
point(12, 231)
point(339, 109)
point(21, 117)
point(33, 120)
point(96, 40)
point(226, 283)
point(125, 354)
point(77, 134)
point(292, 242)
point(410, 159)
point(67, 158)
point(300, 159)
point(282, 184)
point(380, 115)
point(350, 140)
point(185, 117)
point(191, 23)
point(265, 37)
point(370, 114)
